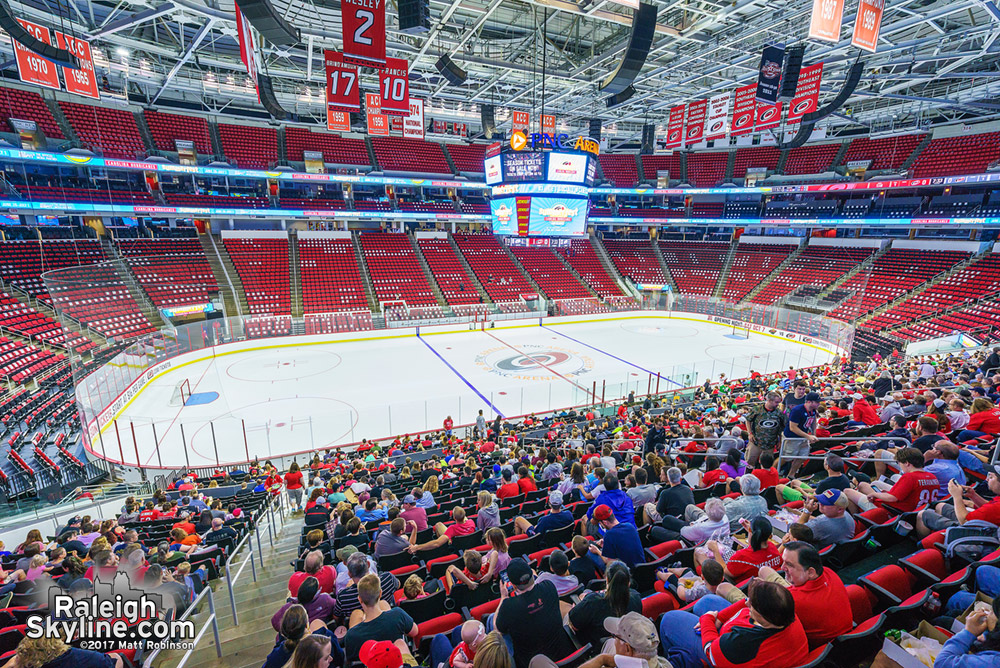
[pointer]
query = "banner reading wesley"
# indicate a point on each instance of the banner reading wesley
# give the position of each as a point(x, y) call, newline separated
point(695, 122)
point(767, 116)
point(743, 110)
point(675, 127)
point(79, 81)
point(548, 124)
point(769, 74)
point(413, 125)
point(378, 123)
point(718, 116)
point(363, 28)
point(827, 16)
point(248, 48)
point(394, 85)
point(342, 92)
point(806, 93)
point(521, 120)
point(868, 24)
point(31, 67)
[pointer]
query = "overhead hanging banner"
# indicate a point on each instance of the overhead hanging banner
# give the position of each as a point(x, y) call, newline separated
point(675, 127)
point(717, 124)
point(394, 84)
point(79, 81)
point(867, 24)
point(338, 121)
point(363, 28)
point(521, 119)
point(248, 48)
point(806, 98)
point(342, 91)
point(547, 124)
point(31, 67)
point(827, 15)
point(769, 74)
point(766, 116)
point(378, 123)
point(413, 125)
point(743, 109)
point(695, 121)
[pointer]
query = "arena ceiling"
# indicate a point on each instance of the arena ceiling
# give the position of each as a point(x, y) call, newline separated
point(937, 60)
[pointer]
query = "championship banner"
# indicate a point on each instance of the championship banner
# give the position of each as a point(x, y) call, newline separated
point(82, 81)
point(718, 116)
point(548, 124)
point(342, 92)
point(363, 28)
point(338, 121)
point(827, 15)
point(248, 48)
point(743, 110)
point(868, 24)
point(675, 127)
point(31, 67)
point(769, 74)
point(695, 121)
point(767, 116)
point(806, 98)
point(413, 125)
point(460, 129)
point(521, 121)
point(394, 82)
point(378, 123)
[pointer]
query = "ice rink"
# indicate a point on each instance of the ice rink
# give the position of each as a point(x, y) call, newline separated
point(275, 397)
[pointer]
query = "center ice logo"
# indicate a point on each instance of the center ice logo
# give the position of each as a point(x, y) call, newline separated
point(535, 362)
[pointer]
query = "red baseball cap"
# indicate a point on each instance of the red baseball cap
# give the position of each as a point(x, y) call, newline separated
point(602, 513)
point(380, 654)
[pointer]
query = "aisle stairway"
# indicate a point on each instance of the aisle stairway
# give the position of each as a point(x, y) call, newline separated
point(748, 297)
point(226, 277)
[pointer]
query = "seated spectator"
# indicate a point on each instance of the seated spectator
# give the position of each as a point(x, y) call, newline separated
point(492, 652)
point(318, 604)
point(354, 533)
point(915, 487)
point(975, 646)
point(734, 466)
point(746, 562)
point(473, 573)
point(460, 527)
point(497, 559)
point(967, 505)
point(984, 420)
point(371, 512)
point(375, 620)
point(531, 618)
point(749, 504)
point(700, 525)
point(690, 588)
point(642, 493)
point(621, 540)
point(673, 499)
point(559, 573)
point(632, 637)
point(487, 511)
point(312, 566)
point(713, 474)
point(834, 525)
point(358, 567)
point(411, 513)
point(586, 618)
point(525, 482)
point(393, 540)
point(557, 518)
point(46, 652)
point(509, 488)
point(295, 627)
point(942, 461)
point(768, 472)
point(220, 533)
point(615, 499)
point(317, 514)
point(585, 565)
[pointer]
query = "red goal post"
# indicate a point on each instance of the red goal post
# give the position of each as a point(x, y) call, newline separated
point(181, 393)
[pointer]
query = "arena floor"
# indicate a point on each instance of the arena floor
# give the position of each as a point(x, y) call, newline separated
point(291, 398)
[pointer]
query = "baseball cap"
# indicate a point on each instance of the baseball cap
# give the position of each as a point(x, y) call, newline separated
point(410, 499)
point(519, 572)
point(832, 497)
point(636, 631)
point(996, 469)
point(939, 403)
point(602, 513)
point(320, 500)
point(380, 654)
point(812, 396)
point(346, 551)
point(555, 498)
point(857, 396)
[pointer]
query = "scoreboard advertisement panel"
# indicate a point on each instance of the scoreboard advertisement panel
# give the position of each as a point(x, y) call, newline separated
point(551, 166)
point(551, 210)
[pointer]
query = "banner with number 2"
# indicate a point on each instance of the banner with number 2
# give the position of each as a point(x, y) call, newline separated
point(363, 27)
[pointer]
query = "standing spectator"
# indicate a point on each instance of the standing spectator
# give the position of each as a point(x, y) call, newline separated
point(764, 426)
point(448, 424)
point(293, 484)
point(800, 432)
point(531, 618)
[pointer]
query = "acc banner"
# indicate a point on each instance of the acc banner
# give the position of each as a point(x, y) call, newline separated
point(767, 116)
point(248, 49)
point(695, 122)
point(718, 116)
point(868, 24)
point(827, 16)
point(743, 110)
point(80, 81)
point(363, 27)
point(342, 90)
point(806, 93)
point(394, 82)
point(769, 74)
point(413, 125)
point(675, 127)
point(32, 67)
point(548, 124)
point(378, 123)
point(521, 120)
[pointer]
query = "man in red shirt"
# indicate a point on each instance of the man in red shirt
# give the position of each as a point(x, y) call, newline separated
point(460, 527)
point(509, 488)
point(149, 513)
point(963, 509)
point(915, 487)
point(313, 566)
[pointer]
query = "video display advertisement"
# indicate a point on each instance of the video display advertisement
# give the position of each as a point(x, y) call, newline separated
point(504, 215)
point(567, 167)
point(523, 167)
point(492, 167)
point(558, 216)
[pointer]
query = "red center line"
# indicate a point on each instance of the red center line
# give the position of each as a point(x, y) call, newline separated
point(540, 363)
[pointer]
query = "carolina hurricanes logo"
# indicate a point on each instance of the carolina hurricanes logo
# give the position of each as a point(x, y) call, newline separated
point(674, 135)
point(767, 114)
point(716, 126)
point(770, 69)
point(802, 107)
point(694, 131)
point(740, 121)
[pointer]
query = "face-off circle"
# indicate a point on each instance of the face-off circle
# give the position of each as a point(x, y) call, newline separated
point(535, 362)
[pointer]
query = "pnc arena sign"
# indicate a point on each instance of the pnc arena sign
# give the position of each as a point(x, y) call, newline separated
point(537, 141)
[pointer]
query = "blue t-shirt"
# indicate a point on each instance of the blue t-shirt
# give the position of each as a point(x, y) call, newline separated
point(552, 521)
point(622, 542)
point(945, 470)
point(806, 420)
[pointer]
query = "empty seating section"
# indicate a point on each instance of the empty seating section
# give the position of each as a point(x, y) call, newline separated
point(170, 271)
point(335, 150)
point(751, 264)
point(96, 296)
point(112, 132)
point(330, 323)
point(893, 274)
point(372, 205)
point(428, 207)
point(619, 169)
point(947, 156)
point(95, 195)
point(649, 212)
point(694, 265)
point(635, 259)
point(554, 279)
point(20, 362)
point(451, 277)
point(481, 207)
point(493, 268)
point(467, 157)
point(262, 265)
point(331, 277)
point(29, 106)
point(29, 323)
point(979, 316)
point(706, 169)
point(23, 262)
point(312, 203)
point(707, 209)
point(400, 154)
point(165, 128)
point(583, 258)
point(651, 164)
point(249, 146)
point(813, 159)
point(885, 152)
point(187, 199)
point(815, 265)
point(755, 156)
point(395, 270)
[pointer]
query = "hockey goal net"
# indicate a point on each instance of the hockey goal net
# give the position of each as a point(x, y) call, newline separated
point(181, 394)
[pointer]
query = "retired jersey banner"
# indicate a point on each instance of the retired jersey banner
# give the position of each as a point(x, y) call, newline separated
point(394, 86)
point(718, 116)
point(342, 91)
point(521, 120)
point(743, 109)
point(248, 47)
point(378, 123)
point(413, 125)
point(548, 124)
point(82, 80)
point(827, 16)
point(363, 28)
point(769, 74)
point(767, 116)
point(806, 98)
point(338, 121)
point(31, 67)
point(695, 121)
point(868, 24)
point(675, 127)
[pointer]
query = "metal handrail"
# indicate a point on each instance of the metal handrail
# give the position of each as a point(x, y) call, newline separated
point(231, 579)
point(212, 620)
